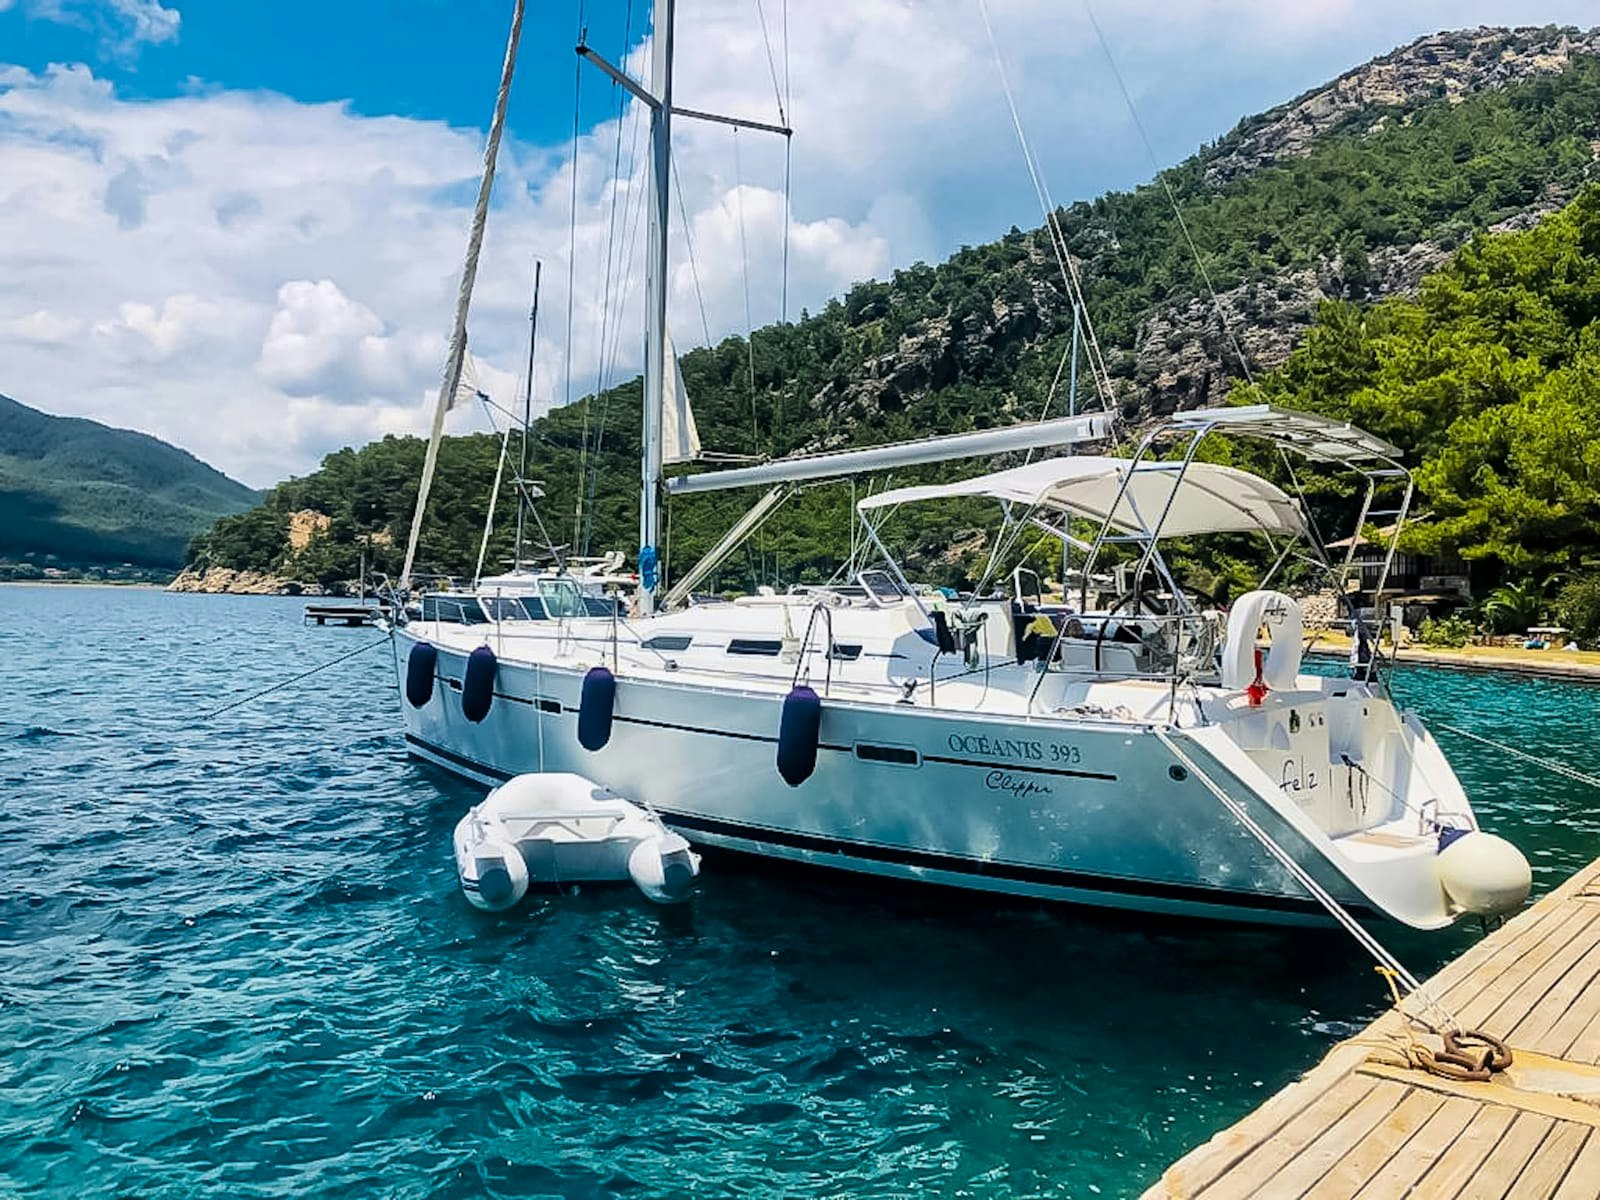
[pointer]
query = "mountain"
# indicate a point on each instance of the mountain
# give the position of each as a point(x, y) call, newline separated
point(1353, 192)
point(87, 493)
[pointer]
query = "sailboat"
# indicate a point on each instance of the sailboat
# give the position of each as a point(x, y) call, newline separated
point(1145, 753)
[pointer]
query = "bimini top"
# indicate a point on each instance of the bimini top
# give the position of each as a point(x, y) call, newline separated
point(1208, 499)
point(1314, 436)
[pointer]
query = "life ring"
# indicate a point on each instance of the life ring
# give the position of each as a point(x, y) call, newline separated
point(1281, 666)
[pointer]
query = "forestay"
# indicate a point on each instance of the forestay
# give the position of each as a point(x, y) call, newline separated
point(1204, 497)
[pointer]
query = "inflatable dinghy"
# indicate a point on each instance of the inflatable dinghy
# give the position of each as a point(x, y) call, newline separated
point(553, 829)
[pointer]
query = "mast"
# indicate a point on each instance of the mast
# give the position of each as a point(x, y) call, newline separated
point(656, 365)
point(655, 339)
point(527, 415)
point(469, 275)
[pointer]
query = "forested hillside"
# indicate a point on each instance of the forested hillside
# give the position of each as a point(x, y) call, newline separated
point(1346, 196)
point(84, 493)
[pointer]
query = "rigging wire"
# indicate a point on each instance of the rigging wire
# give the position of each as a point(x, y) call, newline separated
point(772, 66)
point(1166, 186)
point(779, 95)
point(572, 260)
point(527, 402)
point(494, 496)
point(592, 451)
point(749, 321)
point(606, 351)
point(688, 237)
point(611, 223)
point(788, 165)
point(783, 276)
point(1058, 242)
point(610, 357)
point(632, 212)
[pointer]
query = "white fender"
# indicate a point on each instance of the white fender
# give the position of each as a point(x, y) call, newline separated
point(1484, 874)
point(1281, 614)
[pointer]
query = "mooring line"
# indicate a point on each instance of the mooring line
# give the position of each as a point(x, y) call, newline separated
point(1547, 764)
point(283, 683)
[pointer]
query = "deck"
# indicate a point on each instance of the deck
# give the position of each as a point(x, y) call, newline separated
point(1359, 1124)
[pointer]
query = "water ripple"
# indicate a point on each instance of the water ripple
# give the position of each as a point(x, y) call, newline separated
point(233, 962)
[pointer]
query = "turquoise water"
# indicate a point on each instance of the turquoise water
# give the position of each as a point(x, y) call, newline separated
point(234, 962)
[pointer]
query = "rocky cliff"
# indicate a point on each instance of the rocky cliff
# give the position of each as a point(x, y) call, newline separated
point(1352, 192)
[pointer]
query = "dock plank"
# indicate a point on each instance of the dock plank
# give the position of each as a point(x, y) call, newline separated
point(1553, 1161)
point(1571, 995)
point(1313, 1164)
point(1487, 996)
point(1352, 1128)
point(1579, 1183)
point(1248, 1177)
point(1399, 1175)
point(1499, 1172)
point(1519, 992)
point(1462, 1158)
point(1372, 1151)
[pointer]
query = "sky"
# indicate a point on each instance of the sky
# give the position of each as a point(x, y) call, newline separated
point(239, 224)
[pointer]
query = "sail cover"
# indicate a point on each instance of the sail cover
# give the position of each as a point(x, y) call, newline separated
point(1202, 498)
point(680, 440)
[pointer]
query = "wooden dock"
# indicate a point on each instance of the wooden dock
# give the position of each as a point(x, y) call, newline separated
point(342, 614)
point(1363, 1124)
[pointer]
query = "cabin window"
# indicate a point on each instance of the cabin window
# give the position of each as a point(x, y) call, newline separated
point(755, 646)
point(562, 598)
point(503, 608)
point(882, 586)
point(534, 607)
point(602, 606)
point(668, 641)
point(846, 651)
point(899, 756)
point(462, 610)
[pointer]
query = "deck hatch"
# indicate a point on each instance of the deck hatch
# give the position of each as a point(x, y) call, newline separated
point(667, 641)
point(755, 646)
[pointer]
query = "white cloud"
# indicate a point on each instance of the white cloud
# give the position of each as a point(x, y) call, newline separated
point(263, 280)
point(124, 25)
point(148, 20)
point(43, 326)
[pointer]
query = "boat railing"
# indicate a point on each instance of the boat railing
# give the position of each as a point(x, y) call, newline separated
point(1175, 648)
point(802, 661)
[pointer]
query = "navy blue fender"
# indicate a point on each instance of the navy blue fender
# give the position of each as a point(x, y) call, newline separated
point(595, 707)
point(419, 673)
point(477, 686)
point(798, 732)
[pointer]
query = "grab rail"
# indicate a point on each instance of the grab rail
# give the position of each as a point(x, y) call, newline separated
point(805, 643)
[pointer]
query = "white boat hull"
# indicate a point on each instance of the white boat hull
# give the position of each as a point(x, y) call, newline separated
point(1086, 812)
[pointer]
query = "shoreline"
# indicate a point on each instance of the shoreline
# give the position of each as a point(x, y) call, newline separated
point(105, 583)
point(1580, 665)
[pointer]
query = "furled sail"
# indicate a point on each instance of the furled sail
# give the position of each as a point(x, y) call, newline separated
point(468, 387)
point(680, 440)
